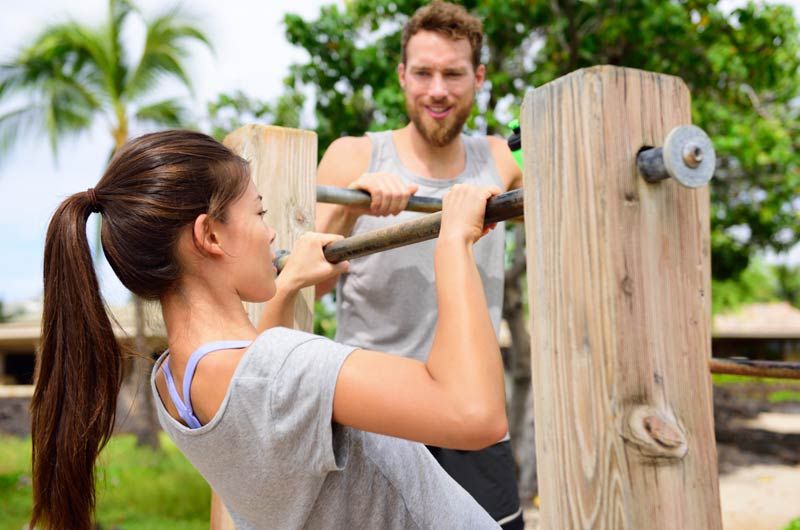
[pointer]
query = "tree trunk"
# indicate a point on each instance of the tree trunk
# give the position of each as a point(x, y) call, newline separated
point(135, 409)
point(520, 413)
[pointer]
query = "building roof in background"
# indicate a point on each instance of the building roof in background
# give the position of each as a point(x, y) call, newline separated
point(773, 320)
point(25, 329)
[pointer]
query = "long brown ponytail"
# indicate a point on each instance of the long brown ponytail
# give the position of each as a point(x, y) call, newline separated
point(154, 187)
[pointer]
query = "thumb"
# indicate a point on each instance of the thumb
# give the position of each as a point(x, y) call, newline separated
point(412, 188)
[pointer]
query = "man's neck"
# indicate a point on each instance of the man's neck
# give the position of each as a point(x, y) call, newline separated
point(427, 160)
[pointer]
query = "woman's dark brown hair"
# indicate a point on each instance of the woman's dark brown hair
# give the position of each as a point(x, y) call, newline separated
point(155, 186)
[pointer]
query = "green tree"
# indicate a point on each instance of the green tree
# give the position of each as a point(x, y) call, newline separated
point(742, 67)
point(72, 75)
point(232, 110)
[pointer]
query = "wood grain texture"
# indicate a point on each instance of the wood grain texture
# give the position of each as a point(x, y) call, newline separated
point(619, 287)
point(283, 165)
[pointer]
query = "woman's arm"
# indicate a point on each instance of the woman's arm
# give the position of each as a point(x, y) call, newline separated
point(456, 399)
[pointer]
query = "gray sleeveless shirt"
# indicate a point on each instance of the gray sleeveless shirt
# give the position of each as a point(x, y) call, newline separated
point(387, 301)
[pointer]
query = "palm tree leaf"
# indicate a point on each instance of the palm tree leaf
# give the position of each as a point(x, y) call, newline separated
point(169, 113)
point(164, 52)
point(19, 123)
point(66, 50)
point(118, 12)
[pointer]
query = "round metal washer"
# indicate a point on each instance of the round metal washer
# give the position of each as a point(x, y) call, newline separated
point(689, 138)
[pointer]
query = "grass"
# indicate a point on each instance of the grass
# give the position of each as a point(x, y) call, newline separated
point(763, 388)
point(137, 488)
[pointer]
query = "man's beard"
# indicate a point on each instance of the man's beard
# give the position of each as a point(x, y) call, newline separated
point(439, 134)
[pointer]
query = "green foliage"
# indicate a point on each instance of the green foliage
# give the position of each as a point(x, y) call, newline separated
point(231, 111)
point(758, 282)
point(794, 524)
point(742, 67)
point(5, 316)
point(138, 488)
point(325, 316)
point(71, 74)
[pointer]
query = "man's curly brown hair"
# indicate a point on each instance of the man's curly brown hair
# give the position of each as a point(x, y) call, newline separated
point(447, 19)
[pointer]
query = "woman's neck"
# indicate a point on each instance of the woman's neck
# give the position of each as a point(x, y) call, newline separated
point(195, 315)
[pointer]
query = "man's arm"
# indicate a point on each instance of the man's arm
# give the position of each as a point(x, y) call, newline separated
point(344, 165)
point(346, 159)
point(510, 172)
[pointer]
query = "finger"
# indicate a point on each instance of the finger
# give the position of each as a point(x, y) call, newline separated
point(377, 206)
point(341, 267)
point(399, 199)
point(329, 238)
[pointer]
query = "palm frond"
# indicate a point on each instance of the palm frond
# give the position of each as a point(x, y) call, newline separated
point(118, 12)
point(69, 51)
point(168, 113)
point(164, 52)
point(19, 123)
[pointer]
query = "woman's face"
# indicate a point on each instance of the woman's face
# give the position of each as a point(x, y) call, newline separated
point(246, 240)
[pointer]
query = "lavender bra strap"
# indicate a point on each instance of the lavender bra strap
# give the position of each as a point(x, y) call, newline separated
point(185, 408)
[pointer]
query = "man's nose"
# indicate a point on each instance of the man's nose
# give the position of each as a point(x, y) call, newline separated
point(438, 87)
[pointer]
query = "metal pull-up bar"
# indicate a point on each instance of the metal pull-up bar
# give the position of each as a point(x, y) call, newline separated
point(687, 156)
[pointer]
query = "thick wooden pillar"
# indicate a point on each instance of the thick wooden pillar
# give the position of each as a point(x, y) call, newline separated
point(283, 165)
point(619, 291)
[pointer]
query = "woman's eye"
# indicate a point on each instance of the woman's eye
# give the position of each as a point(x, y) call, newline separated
point(262, 213)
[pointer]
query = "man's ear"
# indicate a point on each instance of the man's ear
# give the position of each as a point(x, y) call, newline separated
point(401, 74)
point(205, 237)
point(480, 76)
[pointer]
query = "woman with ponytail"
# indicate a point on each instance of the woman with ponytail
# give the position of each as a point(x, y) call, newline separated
point(292, 430)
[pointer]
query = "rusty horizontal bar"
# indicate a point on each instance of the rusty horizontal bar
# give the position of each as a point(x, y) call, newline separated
point(334, 195)
point(499, 208)
point(747, 367)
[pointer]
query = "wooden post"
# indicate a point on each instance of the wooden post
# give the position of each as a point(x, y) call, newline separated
point(284, 167)
point(619, 288)
point(283, 164)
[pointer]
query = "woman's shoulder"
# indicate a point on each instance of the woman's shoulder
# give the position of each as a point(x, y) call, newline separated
point(271, 349)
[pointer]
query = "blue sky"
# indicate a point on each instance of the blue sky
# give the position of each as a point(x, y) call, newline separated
point(250, 54)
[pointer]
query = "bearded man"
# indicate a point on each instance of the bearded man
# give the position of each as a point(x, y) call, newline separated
point(387, 301)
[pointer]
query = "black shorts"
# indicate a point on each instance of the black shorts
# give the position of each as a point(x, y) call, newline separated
point(488, 475)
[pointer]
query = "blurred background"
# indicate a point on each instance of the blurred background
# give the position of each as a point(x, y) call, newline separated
point(79, 78)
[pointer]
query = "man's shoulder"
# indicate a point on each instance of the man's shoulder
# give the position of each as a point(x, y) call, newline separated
point(350, 142)
point(345, 158)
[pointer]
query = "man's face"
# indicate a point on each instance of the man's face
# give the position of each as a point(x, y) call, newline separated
point(439, 83)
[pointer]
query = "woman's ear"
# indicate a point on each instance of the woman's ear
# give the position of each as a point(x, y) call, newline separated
point(205, 237)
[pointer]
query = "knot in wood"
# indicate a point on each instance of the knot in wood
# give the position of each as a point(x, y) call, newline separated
point(662, 432)
point(300, 216)
point(655, 433)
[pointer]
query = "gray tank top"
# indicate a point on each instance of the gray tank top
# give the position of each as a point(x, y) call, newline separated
point(387, 301)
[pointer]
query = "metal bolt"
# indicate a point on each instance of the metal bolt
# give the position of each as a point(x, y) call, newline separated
point(692, 155)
